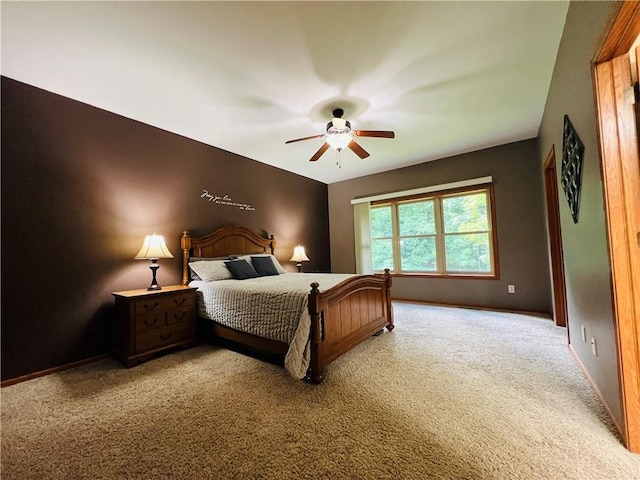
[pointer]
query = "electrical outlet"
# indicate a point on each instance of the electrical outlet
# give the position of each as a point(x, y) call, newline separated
point(594, 349)
point(511, 288)
point(584, 334)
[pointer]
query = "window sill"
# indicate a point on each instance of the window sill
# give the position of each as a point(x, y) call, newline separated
point(465, 276)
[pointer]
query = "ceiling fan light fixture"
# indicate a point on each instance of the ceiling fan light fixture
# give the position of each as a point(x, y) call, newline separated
point(339, 135)
point(339, 141)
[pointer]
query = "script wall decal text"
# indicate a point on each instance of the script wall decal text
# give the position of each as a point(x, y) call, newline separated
point(226, 201)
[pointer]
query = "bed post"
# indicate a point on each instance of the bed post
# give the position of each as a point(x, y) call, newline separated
point(272, 244)
point(387, 278)
point(185, 245)
point(316, 368)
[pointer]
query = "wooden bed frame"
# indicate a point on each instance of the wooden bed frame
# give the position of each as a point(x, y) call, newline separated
point(341, 317)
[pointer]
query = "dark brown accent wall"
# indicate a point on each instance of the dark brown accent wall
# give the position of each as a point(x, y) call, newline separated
point(519, 205)
point(81, 187)
point(586, 258)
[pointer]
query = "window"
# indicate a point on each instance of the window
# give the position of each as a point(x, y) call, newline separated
point(447, 233)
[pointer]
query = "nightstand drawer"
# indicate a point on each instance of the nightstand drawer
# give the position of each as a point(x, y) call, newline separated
point(179, 315)
point(160, 337)
point(183, 300)
point(149, 305)
point(149, 321)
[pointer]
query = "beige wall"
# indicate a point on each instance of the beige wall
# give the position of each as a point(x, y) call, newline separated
point(587, 269)
point(520, 223)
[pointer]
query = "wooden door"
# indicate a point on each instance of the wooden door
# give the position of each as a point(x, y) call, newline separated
point(555, 240)
point(617, 125)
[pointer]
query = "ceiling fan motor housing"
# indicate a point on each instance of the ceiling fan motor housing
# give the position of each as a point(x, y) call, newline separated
point(343, 126)
point(338, 125)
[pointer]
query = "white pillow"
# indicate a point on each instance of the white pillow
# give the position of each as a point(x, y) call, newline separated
point(211, 270)
point(273, 259)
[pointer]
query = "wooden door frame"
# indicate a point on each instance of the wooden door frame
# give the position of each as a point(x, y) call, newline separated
point(555, 240)
point(617, 129)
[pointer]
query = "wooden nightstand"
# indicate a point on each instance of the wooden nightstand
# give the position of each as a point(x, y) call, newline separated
point(152, 321)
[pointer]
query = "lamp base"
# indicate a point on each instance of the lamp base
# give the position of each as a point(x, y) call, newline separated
point(299, 265)
point(154, 268)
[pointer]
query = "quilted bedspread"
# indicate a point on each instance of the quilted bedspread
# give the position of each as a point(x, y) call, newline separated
point(274, 307)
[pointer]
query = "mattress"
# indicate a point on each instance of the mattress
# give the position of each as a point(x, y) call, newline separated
point(273, 307)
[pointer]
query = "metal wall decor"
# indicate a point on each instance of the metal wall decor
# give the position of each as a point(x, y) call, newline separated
point(571, 175)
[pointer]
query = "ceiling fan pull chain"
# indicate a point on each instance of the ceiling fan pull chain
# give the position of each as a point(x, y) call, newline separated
point(338, 162)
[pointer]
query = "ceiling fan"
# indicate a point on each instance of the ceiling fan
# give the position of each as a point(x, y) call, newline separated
point(339, 135)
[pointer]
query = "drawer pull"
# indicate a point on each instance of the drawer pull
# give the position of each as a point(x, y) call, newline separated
point(179, 316)
point(151, 307)
point(164, 338)
point(147, 323)
point(180, 301)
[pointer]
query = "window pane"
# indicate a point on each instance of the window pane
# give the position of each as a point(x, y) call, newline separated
point(465, 213)
point(381, 222)
point(416, 218)
point(468, 253)
point(418, 254)
point(382, 253)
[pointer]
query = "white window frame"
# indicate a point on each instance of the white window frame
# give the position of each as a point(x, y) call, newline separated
point(436, 195)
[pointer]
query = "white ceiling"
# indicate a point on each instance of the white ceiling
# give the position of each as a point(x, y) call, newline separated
point(447, 77)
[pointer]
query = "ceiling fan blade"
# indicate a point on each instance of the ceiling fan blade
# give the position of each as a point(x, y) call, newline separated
point(374, 133)
point(320, 151)
point(357, 149)
point(305, 138)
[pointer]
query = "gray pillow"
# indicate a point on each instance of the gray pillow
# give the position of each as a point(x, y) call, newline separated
point(193, 275)
point(210, 270)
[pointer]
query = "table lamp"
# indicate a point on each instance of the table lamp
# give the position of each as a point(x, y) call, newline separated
point(152, 249)
point(299, 256)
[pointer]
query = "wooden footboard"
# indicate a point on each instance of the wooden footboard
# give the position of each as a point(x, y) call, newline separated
point(345, 316)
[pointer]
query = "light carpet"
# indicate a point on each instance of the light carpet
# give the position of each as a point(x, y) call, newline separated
point(449, 394)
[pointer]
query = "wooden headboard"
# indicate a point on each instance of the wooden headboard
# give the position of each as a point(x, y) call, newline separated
point(224, 241)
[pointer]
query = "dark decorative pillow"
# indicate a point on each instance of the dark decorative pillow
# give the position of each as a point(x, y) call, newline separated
point(264, 266)
point(241, 269)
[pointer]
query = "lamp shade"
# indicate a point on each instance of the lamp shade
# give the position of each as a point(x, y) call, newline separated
point(299, 255)
point(153, 248)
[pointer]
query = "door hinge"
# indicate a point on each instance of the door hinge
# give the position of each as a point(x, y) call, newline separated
point(631, 94)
